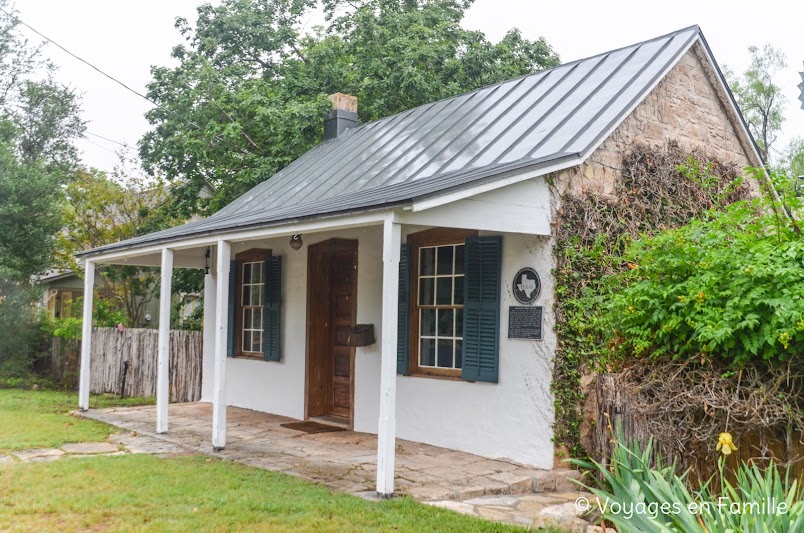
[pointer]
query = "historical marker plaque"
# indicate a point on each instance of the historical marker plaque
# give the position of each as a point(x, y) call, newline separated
point(525, 323)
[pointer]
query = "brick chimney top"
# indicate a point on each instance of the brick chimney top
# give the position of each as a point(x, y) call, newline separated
point(342, 117)
point(347, 102)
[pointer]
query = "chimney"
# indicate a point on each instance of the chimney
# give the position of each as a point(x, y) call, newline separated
point(342, 117)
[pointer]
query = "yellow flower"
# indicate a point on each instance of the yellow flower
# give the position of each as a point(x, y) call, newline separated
point(725, 444)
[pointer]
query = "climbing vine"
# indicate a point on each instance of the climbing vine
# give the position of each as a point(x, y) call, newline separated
point(657, 189)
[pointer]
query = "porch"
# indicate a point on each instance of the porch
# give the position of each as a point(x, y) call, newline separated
point(346, 461)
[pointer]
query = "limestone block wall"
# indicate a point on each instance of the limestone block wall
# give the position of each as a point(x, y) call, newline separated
point(685, 107)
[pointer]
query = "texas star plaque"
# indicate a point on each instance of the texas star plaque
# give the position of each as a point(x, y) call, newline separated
point(527, 286)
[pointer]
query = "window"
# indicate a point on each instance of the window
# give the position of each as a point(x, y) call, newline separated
point(437, 294)
point(248, 303)
point(440, 306)
point(252, 291)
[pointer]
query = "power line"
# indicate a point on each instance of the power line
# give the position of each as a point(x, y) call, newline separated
point(115, 80)
point(84, 61)
point(124, 145)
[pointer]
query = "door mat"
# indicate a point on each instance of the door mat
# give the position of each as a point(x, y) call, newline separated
point(311, 427)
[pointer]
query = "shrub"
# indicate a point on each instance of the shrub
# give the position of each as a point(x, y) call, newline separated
point(729, 286)
point(640, 494)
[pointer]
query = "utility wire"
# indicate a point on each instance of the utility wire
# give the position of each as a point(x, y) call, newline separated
point(115, 80)
point(84, 61)
point(124, 145)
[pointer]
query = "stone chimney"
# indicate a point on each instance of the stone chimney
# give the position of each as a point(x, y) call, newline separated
point(342, 117)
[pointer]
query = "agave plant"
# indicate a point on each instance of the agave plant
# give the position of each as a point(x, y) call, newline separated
point(640, 494)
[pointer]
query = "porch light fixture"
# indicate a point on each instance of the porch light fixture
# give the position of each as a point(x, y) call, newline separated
point(206, 262)
point(296, 242)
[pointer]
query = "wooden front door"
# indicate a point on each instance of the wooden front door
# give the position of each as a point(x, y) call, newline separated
point(331, 313)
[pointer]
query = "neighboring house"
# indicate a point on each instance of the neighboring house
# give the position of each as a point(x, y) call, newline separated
point(63, 289)
point(432, 225)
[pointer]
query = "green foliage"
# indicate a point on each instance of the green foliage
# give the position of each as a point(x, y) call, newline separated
point(249, 93)
point(657, 189)
point(727, 286)
point(759, 97)
point(20, 335)
point(640, 494)
point(40, 120)
point(29, 216)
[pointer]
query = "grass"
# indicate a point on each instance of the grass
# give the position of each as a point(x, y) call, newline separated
point(40, 419)
point(146, 493)
point(191, 493)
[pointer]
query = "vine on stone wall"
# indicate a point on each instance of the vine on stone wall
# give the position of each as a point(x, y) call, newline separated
point(658, 189)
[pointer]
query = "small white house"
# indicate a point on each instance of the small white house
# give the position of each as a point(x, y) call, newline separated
point(430, 231)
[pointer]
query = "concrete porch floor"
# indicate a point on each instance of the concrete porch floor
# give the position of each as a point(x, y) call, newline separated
point(345, 461)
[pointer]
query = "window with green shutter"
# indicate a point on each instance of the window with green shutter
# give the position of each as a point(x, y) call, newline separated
point(254, 305)
point(481, 329)
point(272, 310)
point(436, 284)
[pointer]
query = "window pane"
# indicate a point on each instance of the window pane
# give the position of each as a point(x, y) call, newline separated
point(256, 341)
point(444, 353)
point(459, 259)
point(427, 353)
point(247, 341)
point(256, 295)
point(459, 290)
point(428, 322)
point(256, 272)
point(426, 291)
point(458, 354)
point(246, 296)
point(444, 260)
point(459, 323)
point(446, 321)
point(247, 273)
point(427, 261)
point(443, 291)
point(247, 318)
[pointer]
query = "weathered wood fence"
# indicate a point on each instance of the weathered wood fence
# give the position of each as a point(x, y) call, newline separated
point(613, 407)
point(111, 349)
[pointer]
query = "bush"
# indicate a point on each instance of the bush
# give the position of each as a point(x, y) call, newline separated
point(640, 494)
point(21, 338)
point(729, 286)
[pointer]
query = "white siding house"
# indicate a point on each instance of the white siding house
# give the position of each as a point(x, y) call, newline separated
point(435, 227)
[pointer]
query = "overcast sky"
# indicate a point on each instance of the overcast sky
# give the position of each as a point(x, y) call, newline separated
point(126, 38)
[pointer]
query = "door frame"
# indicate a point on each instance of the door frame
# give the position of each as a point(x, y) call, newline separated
point(318, 370)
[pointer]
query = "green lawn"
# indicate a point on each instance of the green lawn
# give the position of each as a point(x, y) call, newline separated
point(136, 492)
point(40, 419)
point(197, 493)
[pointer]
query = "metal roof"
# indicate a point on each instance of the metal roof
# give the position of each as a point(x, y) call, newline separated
point(553, 116)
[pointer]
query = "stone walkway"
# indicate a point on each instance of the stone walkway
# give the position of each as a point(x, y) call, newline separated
point(346, 461)
point(117, 444)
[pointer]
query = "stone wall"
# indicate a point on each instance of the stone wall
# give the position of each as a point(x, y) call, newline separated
point(685, 107)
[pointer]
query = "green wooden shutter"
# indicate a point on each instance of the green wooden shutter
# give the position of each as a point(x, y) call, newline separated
point(481, 314)
point(230, 332)
point(272, 309)
point(403, 320)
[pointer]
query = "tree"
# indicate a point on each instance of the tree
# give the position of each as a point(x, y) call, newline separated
point(792, 163)
point(759, 98)
point(40, 120)
point(106, 209)
point(249, 93)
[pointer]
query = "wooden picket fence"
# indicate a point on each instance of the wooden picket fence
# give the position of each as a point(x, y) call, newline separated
point(111, 349)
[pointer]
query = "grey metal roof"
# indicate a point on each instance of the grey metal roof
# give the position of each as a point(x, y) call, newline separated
point(530, 122)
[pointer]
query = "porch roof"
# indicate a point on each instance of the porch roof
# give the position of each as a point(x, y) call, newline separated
point(535, 124)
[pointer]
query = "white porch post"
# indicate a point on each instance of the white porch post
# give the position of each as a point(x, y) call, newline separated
point(221, 331)
point(386, 435)
point(86, 335)
point(163, 362)
point(208, 370)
